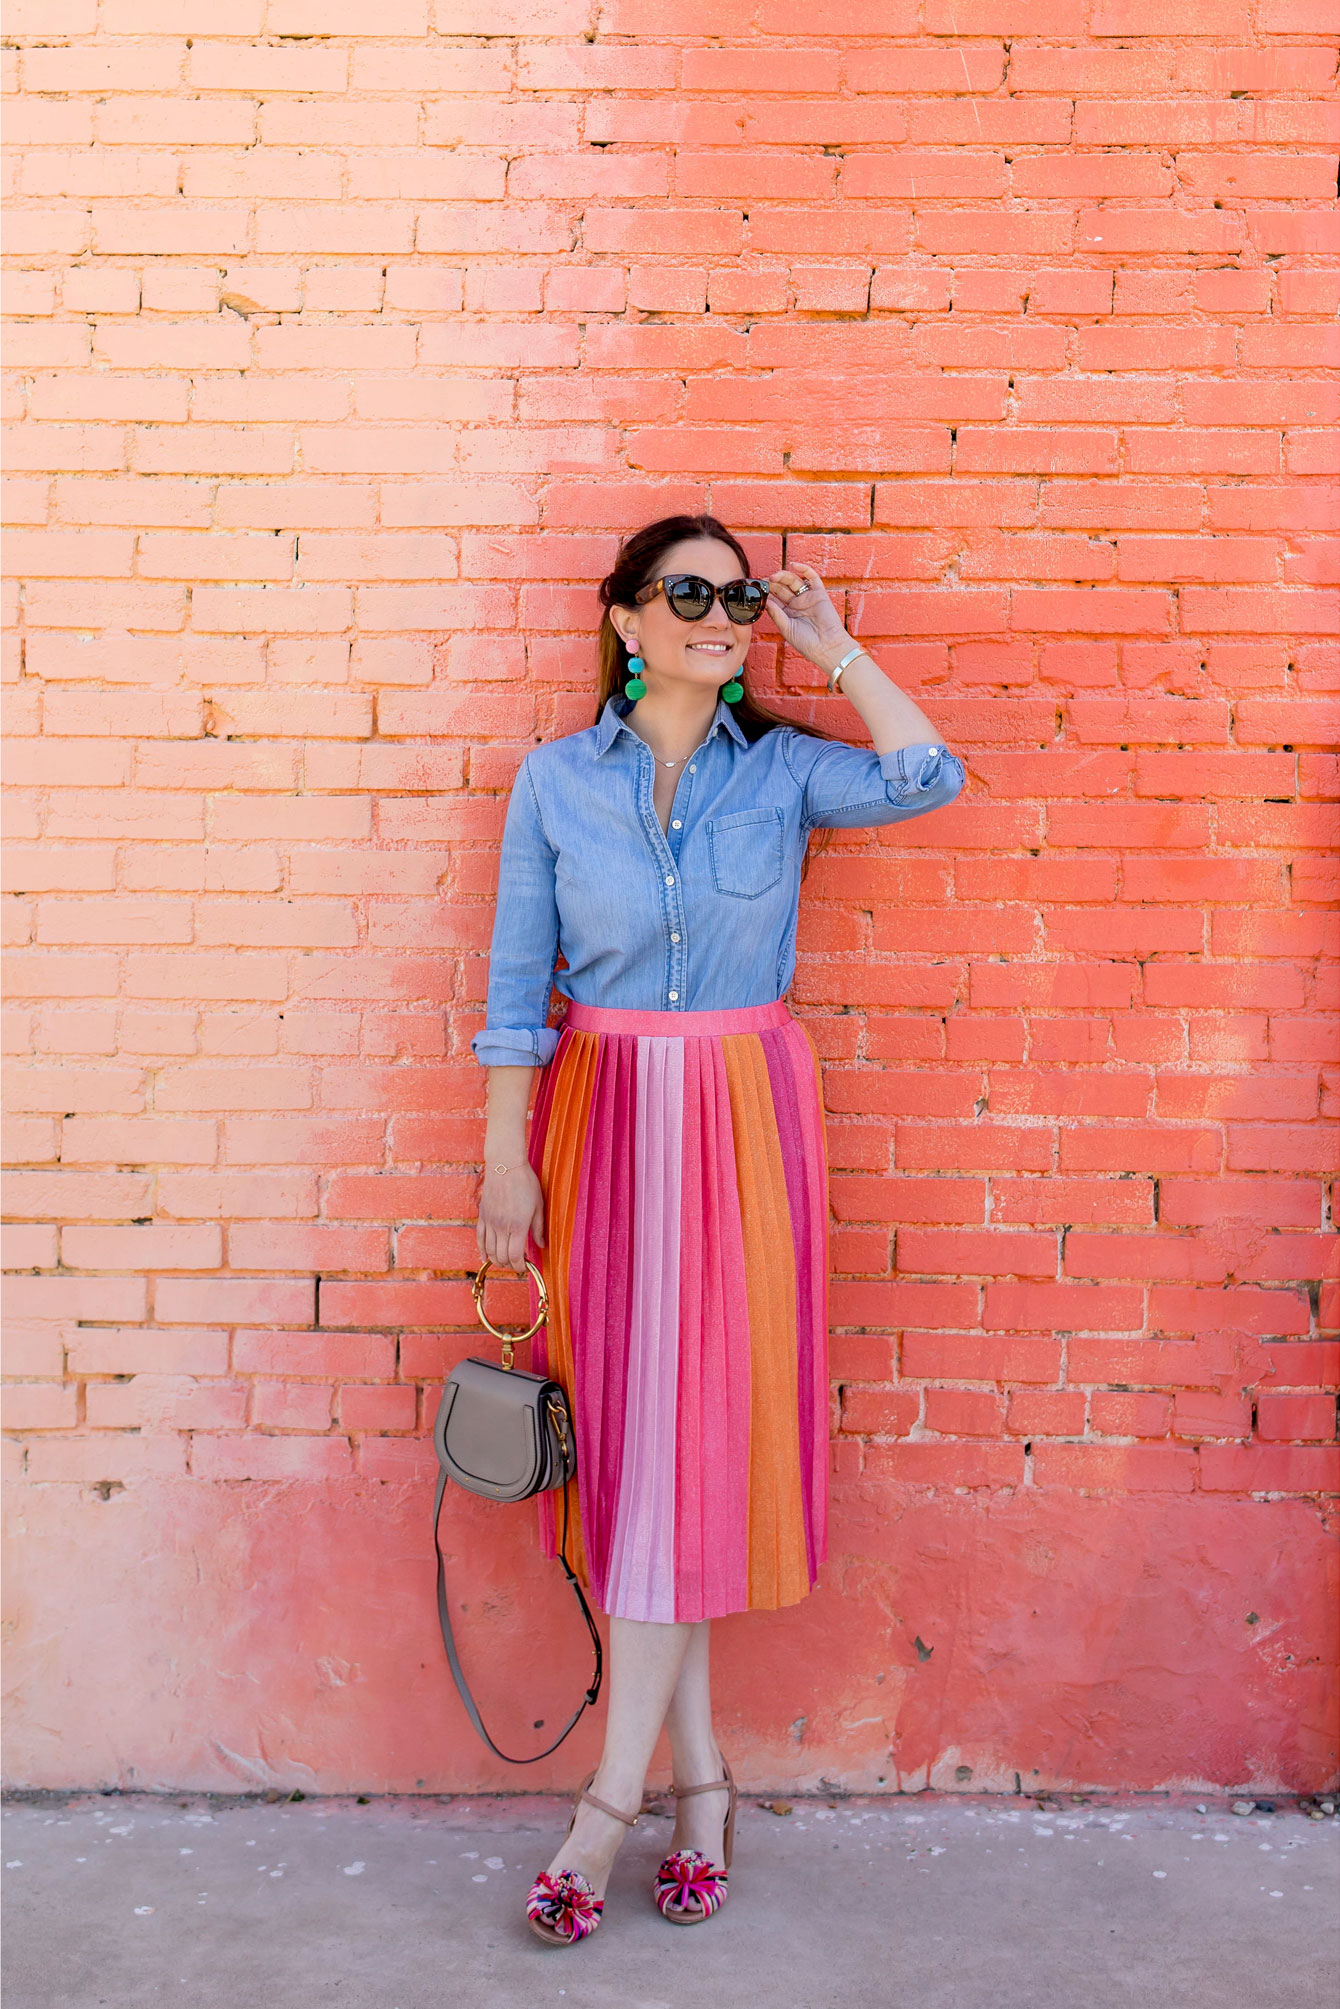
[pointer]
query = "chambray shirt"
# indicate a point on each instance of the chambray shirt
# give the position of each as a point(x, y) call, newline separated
point(701, 917)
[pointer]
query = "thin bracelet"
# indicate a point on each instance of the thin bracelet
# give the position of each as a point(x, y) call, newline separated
point(838, 668)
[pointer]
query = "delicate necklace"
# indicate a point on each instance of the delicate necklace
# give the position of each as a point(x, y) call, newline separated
point(673, 763)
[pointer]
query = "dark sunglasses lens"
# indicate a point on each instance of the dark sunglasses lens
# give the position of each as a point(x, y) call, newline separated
point(690, 598)
point(745, 599)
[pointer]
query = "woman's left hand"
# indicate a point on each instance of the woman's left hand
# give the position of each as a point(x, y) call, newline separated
point(799, 605)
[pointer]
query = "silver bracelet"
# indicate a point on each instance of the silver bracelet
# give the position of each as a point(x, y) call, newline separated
point(838, 668)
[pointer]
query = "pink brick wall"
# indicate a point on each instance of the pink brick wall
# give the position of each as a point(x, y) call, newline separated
point(347, 339)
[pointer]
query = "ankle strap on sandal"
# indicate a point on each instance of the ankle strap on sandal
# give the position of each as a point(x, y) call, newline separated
point(712, 1786)
point(604, 1807)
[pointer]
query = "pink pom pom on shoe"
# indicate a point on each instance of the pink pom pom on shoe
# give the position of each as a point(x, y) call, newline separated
point(563, 1909)
point(689, 1888)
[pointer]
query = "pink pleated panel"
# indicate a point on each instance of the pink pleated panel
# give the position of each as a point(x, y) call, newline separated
point(602, 1290)
point(793, 1070)
point(712, 1506)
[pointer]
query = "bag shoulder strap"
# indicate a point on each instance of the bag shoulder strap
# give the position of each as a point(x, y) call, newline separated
point(453, 1658)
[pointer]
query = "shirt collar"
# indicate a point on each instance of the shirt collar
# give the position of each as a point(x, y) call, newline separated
point(614, 719)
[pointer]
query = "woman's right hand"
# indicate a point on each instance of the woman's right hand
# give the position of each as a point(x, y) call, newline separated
point(511, 1204)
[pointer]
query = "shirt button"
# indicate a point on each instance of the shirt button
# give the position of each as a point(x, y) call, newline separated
point(674, 938)
point(676, 825)
point(673, 996)
point(693, 767)
point(669, 878)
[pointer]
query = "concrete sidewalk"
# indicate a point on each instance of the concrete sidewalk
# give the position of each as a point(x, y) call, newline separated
point(120, 1901)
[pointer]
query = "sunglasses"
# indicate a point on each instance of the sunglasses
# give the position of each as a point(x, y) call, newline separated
point(691, 598)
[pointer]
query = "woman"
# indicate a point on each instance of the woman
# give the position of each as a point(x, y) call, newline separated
point(674, 1189)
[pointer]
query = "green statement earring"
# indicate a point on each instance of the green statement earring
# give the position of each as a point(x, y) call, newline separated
point(734, 689)
point(635, 687)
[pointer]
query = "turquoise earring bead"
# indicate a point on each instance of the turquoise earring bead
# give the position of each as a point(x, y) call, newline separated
point(635, 687)
point(734, 689)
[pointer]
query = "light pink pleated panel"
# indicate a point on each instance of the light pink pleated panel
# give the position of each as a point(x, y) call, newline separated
point(642, 1564)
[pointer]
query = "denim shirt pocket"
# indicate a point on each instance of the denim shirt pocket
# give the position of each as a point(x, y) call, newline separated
point(746, 852)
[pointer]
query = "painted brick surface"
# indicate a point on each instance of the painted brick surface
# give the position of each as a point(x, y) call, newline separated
point(345, 343)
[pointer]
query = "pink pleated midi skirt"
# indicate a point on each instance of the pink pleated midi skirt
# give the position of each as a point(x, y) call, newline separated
point(683, 1162)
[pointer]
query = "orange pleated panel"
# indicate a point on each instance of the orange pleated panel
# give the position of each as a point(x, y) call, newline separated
point(778, 1564)
point(559, 1170)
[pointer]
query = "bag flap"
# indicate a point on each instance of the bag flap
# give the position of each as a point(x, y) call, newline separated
point(488, 1433)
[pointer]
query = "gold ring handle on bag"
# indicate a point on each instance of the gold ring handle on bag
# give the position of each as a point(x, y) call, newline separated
point(509, 1339)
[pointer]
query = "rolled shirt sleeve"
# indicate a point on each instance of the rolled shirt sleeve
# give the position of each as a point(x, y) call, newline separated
point(524, 950)
point(847, 787)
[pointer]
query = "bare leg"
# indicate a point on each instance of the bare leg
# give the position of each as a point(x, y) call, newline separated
point(645, 1662)
point(694, 1748)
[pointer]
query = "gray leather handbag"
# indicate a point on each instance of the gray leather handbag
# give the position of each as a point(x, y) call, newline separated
point(506, 1435)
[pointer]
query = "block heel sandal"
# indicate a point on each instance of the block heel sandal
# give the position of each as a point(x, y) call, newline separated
point(562, 1909)
point(689, 1888)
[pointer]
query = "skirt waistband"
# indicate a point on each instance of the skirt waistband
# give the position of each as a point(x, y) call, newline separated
point(677, 1024)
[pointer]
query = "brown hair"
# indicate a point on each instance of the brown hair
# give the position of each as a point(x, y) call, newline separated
point(636, 563)
point(638, 558)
